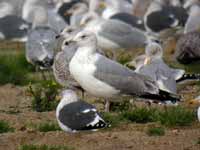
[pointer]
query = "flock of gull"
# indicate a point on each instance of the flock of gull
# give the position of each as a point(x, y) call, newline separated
point(73, 37)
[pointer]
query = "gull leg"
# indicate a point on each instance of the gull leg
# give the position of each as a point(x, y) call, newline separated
point(43, 75)
point(107, 106)
point(82, 94)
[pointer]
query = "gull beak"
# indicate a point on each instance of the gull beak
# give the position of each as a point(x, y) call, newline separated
point(58, 97)
point(67, 13)
point(82, 25)
point(147, 61)
point(130, 64)
point(194, 102)
point(58, 36)
point(102, 5)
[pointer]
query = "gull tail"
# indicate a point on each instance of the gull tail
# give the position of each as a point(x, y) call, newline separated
point(188, 77)
point(99, 125)
point(163, 96)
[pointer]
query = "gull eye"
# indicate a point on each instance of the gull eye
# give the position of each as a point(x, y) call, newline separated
point(66, 43)
point(83, 36)
point(70, 31)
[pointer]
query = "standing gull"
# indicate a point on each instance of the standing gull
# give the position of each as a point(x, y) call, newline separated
point(75, 115)
point(63, 58)
point(105, 78)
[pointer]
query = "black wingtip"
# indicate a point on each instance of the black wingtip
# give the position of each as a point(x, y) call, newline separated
point(189, 77)
point(162, 97)
point(101, 124)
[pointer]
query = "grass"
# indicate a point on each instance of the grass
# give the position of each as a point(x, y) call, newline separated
point(141, 115)
point(113, 119)
point(176, 116)
point(47, 127)
point(44, 147)
point(198, 141)
point(14, 69)
point(156, 131)
point(169, 117)
point(5, 127)
point(44, 95)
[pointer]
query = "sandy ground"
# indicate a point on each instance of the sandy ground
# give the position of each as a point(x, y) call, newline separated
point(15, 108)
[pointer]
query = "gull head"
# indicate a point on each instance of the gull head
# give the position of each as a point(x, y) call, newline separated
point(67, 96)
point(139, 61)
point(153, 51)
point(88, 18)
point(67, 32)
point(78, 8)
point(85, 38)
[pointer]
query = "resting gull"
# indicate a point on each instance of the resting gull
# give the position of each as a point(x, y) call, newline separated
point(105, 78)
point(196, 101)
point(153, 65)
point(77, 11)
point(75, 115)
point(40, 47)
point(35, 10)
point(130, 19)
point(188, 48)
point(160, 17)
point(188, 45)
point(193, 22)
point(113, 34)
point(62, 9)
point(6, 9)
point(113, 7)
point(13, 28)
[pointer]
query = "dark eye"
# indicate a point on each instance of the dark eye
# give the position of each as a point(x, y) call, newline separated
point(70, 31)
point(83, 36)
point(66, 43)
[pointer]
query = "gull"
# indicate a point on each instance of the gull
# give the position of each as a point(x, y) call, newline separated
point(130, 19)
point(160, 17)
point(193, 21)
point(77, 11)
point(196, 101)
point(113, 7)
point(75, 115)
point(35, 12)
point(62, 59)
point(155, 67)
point(106, 78)
point(152, 65)
point(40, 47)
point(187, 47)
point(113, 34)
point(6, 9)
point(14, 28)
